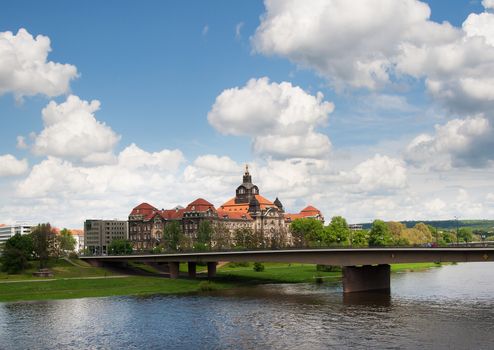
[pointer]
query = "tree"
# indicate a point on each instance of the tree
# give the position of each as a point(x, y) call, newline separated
point(221, 237)
point(307, 232)
point(359, 238)
point(243, 238)
point(396, 229)
point(171, 235)
point(66, 240)
point(204, 235)
point(379, 234)
point(17, 251)
point(120, 247)
point(44, 243)
point(465, 234)
point(336, 232)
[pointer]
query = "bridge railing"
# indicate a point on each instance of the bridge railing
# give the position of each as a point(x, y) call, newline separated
point(485, 244)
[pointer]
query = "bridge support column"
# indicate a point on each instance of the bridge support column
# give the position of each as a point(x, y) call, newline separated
point(174, 269)
point(191, 268)
point(212, 269)
point(366, 278)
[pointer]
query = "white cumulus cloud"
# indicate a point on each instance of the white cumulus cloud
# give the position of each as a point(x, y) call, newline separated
point(25, 70)
point(72, 131)
point(11, 166)
point(280, 118)
point(459, 142)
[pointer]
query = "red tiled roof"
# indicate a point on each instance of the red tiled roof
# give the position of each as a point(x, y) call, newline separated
point(171, 214)
point(200, 204)
point(307, 212)
point(231, 206)
point(144, 209)
point(310, 209)
point(77, 232)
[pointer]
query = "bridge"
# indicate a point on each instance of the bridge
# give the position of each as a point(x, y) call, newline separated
point(364, 269)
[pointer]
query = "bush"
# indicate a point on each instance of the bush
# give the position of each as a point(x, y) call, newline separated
point(258, 267)
point(328, 268)
point(73, 255)
point(207, 286)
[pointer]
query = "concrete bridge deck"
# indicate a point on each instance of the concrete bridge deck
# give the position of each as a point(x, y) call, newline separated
point(359, 274)
point(327, 256)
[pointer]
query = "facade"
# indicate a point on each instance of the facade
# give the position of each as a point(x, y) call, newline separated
point(98, 234)
point(7, 231)
point(248, 210)
point(79, 239)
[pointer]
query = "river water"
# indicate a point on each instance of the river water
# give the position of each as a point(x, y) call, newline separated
point(451, 307)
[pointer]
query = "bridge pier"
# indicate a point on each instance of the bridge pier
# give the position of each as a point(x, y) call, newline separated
point(366, 278)
point(212, 269)
point(191, 268)
point(174, 269)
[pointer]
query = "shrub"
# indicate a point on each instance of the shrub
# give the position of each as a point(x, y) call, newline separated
point(328, 268)
point(258, 267)
point(207, 286)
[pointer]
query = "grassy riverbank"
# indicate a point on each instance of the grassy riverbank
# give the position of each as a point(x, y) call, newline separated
point(76, 279)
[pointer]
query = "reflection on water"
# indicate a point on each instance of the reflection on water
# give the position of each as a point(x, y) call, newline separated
point(447, 308)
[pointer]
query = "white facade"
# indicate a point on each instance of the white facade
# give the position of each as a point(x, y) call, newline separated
point(10, 230)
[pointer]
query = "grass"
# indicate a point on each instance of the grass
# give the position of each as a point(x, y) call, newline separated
point(275, 273)
point(61, 269)
point(72, 281)
point(83, 288)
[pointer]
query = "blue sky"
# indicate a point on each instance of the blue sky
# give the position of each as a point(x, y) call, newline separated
point(158, 69)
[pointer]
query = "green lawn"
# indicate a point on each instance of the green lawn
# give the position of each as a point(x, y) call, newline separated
point(83, 288)
point(61, 269)
point(276, 273)
point(71, 281)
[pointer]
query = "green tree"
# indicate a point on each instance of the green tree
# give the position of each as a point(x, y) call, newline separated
point(379, 234)
point(337, 232)
point(243, 238)
point(307, 232)
point(171, 236)
point(120, 247)
point(221, 237)
point(66, 240)
point(17, 251)
point(204, 234)
point(359, 238)
point(44, 243)
point(465, 234)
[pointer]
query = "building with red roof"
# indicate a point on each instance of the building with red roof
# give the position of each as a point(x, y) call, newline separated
point(248, 210)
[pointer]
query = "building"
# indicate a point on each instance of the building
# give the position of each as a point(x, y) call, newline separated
point(7, 231)
point(79, 239)
point(98, 234)
point(355, 227)
point(248, 210)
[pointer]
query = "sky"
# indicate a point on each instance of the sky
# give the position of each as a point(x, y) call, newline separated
point(365, 109)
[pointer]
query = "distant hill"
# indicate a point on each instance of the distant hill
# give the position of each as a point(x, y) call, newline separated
point(487, 225)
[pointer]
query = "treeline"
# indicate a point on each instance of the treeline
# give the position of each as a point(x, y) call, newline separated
point(479, 225)
point(41, 244)
point(304, 233)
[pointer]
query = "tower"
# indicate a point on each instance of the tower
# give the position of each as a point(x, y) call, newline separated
point(247, 190)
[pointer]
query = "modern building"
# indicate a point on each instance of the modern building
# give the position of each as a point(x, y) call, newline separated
point(246, 210)
point(7, 231)
point(98, 234)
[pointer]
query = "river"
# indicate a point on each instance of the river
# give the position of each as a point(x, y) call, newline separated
point(451, 307)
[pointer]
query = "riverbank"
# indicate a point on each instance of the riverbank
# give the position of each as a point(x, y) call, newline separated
point(76, 279)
